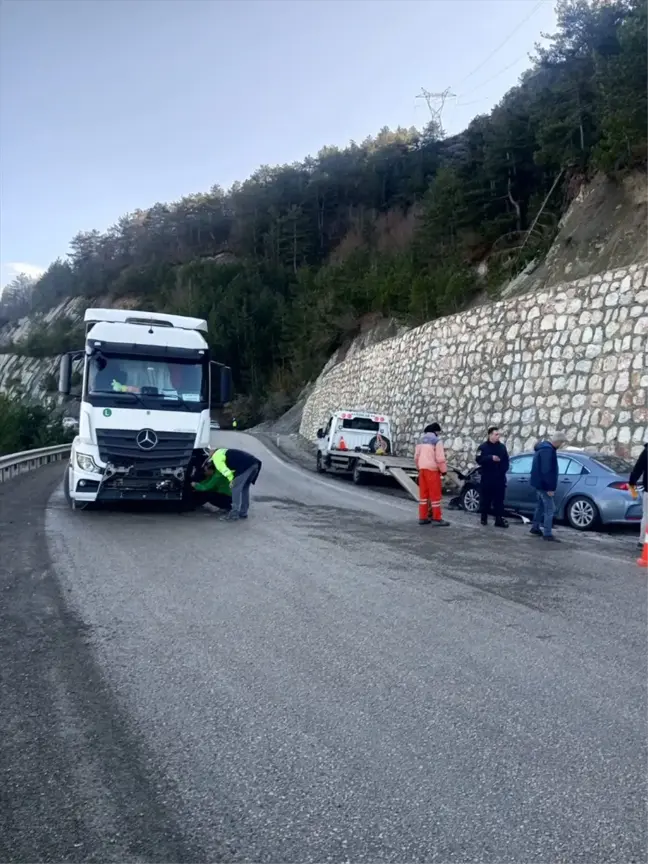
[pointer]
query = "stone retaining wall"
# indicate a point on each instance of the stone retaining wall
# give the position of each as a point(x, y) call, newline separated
point(573, 357)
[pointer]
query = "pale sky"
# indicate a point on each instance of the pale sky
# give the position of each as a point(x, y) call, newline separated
point(111, 105)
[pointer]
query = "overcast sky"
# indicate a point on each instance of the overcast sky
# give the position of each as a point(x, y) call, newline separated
point(110, 105)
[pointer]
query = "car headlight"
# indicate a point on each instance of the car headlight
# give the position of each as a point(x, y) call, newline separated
point(86, 463)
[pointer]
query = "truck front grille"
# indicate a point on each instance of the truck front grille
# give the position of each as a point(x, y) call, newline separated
point(120, 447)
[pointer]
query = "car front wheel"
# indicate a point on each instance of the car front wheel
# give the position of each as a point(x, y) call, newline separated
point(582, 513)
point(470, 499)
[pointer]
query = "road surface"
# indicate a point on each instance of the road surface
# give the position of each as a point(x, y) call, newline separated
point(325, 682)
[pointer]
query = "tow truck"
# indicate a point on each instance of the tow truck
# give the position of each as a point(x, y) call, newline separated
point(359, 443)
point(148, 384)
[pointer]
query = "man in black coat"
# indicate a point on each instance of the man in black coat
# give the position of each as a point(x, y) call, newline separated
point(493, 460)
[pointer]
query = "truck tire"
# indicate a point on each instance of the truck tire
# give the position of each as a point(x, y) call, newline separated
point(66, 488)
point(373, 444)
point(357, 475)
point(72, 504)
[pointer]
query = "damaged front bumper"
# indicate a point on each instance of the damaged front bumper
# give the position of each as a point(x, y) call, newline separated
point(142, 483)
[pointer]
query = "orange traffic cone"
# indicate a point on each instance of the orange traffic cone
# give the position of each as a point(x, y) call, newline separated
point(643, 560)
point(342, 445)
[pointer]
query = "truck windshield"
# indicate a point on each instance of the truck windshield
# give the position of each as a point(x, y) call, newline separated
point(157, 383)
point(360, 424)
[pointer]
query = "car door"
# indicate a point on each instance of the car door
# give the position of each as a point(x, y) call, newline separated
point(520, 495)
point(569, 473)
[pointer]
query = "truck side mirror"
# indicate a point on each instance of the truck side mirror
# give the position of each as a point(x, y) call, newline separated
point(226, 384)
point(65, 375)
point(320, 433)
point(221, 383)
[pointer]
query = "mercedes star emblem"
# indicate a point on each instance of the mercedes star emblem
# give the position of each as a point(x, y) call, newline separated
point(146, 439)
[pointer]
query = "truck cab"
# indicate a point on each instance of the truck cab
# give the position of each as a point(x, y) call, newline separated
point(148, 384)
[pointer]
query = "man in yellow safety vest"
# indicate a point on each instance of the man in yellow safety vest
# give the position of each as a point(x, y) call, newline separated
point(240, 469)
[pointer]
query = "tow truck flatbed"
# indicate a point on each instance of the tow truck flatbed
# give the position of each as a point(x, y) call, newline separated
point(401, 468)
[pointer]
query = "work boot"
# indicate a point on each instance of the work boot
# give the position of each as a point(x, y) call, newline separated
point(441, 522)
point(484, 520)
point(551, 538)
point(232, 516)
point(501, 523)
point(424, 521)
point(536, 532)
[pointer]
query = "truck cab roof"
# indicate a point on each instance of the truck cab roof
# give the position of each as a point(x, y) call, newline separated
point(135, 334)
point(139, 319)
point(376, 416)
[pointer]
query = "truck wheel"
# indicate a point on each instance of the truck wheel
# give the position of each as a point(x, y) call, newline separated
point(66, 489)
point(319, 467)
point(373, 444)
point(358, 476)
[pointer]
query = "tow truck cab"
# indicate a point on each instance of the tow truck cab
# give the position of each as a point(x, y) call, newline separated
point(148, 384)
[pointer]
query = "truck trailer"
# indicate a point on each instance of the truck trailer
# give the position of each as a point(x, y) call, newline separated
point(148, 384)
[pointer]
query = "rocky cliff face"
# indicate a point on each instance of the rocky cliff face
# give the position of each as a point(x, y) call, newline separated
point(34, 377)
point(37, 377)
point(573, 357)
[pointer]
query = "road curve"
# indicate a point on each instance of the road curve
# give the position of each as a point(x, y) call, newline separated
point(325, 682)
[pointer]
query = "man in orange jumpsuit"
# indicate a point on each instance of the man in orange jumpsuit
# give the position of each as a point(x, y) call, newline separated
point(432, 466)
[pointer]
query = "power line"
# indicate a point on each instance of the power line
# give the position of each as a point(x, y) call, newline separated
point(502, 44)
point(493, 77)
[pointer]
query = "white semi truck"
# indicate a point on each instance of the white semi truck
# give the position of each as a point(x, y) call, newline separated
point(148, 384)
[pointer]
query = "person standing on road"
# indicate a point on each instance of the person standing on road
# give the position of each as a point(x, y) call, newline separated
point(638, 476)
point(493, 460)
point(432, 466)
point(241, 470)
point(544, 479)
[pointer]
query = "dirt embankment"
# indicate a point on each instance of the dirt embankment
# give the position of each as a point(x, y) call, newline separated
point(604, 228)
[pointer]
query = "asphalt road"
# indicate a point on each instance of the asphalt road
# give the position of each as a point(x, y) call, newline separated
point(325, 682)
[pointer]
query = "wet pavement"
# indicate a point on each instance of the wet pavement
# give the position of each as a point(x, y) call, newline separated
point(327, 681)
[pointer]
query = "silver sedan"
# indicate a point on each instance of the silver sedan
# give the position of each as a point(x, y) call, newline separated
point(592, 489)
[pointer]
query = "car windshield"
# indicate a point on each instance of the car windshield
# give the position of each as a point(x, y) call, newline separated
point(156, 379)
point(615, 464)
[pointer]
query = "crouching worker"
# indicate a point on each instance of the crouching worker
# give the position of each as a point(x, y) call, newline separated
point(240, 470)
point(212, 489)
point(431, 463)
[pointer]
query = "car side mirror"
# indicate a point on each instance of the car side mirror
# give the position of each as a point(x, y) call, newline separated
point(320, 433)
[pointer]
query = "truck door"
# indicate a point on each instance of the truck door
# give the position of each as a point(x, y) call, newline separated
point(326, 441)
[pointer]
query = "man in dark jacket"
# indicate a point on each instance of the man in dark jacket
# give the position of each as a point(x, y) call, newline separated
point(639, 476)
point(241, 471)
point(493, 460)
point(544, 479)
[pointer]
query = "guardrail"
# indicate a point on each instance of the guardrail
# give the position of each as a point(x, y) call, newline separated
point(19, 463)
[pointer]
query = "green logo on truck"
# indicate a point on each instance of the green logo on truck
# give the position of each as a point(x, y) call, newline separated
point(107, 412)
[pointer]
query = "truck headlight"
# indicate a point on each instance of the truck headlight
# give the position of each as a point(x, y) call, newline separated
point(86, 463)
